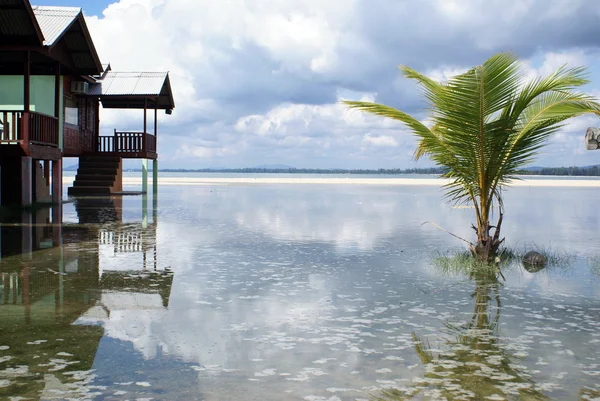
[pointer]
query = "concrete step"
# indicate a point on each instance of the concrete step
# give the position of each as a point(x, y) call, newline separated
point(95, 177)
point(92, 183)
point(82, 191)
point(98, 164)
point(99, 159)
point(99, 169)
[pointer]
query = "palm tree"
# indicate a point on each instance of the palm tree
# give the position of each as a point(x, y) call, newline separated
point(486, 125)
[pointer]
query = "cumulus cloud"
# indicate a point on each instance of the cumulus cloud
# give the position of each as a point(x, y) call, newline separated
point(260, 81)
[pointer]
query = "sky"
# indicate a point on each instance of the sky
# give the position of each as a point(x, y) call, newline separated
point(259, 82)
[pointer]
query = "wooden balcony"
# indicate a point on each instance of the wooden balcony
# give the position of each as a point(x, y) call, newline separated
point(132, 145)
point(35, 133)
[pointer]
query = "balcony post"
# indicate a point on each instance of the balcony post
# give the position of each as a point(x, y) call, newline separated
point(27, 82)
point(26, 97)
point(57, 104)
point(145, 125)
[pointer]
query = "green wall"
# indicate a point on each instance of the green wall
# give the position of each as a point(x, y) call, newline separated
point(11, 92)
point(41, 96)
point(41, 93)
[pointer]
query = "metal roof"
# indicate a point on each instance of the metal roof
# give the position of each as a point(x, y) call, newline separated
point(18, 24)
point(128, 89)
point(54, 21)
point(131, 83)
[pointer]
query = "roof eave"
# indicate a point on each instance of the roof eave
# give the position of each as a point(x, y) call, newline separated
point(170, 91)
point(88, 39)
point(36, 26)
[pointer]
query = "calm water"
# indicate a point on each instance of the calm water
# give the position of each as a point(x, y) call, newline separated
point(296, 292)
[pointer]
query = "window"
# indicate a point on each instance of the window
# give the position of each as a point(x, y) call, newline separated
point(71, 112)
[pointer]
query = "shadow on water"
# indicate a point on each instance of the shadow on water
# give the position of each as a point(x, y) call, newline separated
point(55, 293)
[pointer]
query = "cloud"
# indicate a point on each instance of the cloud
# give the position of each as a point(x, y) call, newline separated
point(259, 81)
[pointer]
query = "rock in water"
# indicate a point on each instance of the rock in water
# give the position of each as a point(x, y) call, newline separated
point(592, 136)
point(534, 261)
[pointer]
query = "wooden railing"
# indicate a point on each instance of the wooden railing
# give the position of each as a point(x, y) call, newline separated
point(10, 126)
point(43, 129)
point(127, 142)
point(123, 241)
point(31, 127)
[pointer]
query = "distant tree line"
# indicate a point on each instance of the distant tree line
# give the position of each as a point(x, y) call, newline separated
point(573, 171)
point(431, 170)
point(560, 171)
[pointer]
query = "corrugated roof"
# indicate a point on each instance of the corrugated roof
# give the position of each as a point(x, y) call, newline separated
point(54, 21)
point(130, 84)
point(131, 90)
point(18, 25)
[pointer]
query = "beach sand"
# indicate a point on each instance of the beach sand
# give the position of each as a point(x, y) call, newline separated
point(183, 181)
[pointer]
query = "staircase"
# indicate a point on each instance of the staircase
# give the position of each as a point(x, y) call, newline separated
point(97, 176)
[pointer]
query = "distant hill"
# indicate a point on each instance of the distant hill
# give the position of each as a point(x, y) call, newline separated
point(71, 168)
point(274, 166)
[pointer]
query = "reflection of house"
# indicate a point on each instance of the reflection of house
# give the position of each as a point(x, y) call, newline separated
point(25, 233)
point(52, 86)
point(52, 299)
point(40, 299)
point(155, 282)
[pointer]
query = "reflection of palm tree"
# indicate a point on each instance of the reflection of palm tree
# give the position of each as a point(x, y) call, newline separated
point(587, 393)
point(475, 366)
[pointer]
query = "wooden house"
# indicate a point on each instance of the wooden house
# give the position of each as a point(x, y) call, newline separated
point(52, 84)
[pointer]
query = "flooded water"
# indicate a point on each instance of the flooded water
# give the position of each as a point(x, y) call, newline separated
point(296, 292)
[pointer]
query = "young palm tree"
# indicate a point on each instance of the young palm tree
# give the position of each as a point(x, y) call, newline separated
point(487, 124)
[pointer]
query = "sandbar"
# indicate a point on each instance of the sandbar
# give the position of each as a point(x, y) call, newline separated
point(183, 181)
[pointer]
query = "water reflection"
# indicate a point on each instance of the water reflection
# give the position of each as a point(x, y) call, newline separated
point(233, 296)
point(55, 294)
point(472, 362)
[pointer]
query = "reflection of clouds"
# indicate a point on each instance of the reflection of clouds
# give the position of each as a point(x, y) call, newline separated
point(205, 331)
point(564, 219)
point(345, 216)
point(260, 284)
point(557, 280)
point(129, 316)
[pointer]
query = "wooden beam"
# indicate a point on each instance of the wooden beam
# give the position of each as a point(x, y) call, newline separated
point(41, 152)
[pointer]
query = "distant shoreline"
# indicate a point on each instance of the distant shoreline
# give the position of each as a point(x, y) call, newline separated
point(384, 181)
point(587, 171)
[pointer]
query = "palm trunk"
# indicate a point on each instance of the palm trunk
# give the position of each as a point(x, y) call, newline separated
point(487, 246)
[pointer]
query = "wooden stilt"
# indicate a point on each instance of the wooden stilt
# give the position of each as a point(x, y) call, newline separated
point(144, 211)
point(155, 177)
point(57, 176)
point(47, 172)
point(145, 176)
point(26, 181)
point(57, 202)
